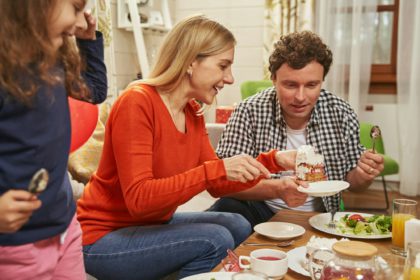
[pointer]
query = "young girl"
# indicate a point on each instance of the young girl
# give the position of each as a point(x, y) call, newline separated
point(39, 68)
point(157, 156)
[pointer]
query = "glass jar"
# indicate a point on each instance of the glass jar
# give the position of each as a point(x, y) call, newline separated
point(412, 264)
point(349, 260)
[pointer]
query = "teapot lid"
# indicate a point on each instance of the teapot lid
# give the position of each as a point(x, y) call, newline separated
point(355, 249)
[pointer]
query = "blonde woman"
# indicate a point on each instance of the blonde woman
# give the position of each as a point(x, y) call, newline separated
point(157, 156)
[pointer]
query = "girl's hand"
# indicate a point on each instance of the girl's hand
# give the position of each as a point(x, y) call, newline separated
point(89, 32)
point(244, 168)
point(286, 159)
point(16, 207)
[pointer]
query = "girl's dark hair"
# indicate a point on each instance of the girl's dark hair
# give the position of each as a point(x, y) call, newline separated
point(27, 55)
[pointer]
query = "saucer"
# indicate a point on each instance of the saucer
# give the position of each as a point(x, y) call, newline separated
point(297, 260)
point(211, 275)
point(324, 188)
point(279, 230)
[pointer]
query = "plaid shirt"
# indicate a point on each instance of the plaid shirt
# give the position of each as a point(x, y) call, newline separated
point(257, 125)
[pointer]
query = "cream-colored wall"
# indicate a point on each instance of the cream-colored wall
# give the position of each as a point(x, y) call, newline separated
point(126, 61)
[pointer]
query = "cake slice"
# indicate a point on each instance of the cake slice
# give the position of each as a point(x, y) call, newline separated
point(309, 165)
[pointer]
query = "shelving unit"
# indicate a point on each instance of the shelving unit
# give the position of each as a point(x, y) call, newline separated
point(129, 19)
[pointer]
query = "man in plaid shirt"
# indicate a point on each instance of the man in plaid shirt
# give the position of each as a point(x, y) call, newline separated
point(295, 112)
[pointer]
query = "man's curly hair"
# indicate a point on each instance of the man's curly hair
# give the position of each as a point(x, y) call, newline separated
point(298, 49)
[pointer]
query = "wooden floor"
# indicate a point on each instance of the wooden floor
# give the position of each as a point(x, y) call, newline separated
point(373, 199)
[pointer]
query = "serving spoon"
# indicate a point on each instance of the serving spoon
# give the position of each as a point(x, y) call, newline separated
point(375, 133)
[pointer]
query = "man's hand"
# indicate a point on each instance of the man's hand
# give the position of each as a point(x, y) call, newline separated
point(287, 191)
point(370, 165)
point(16, 207)
point(244, 168)
point(89, 32)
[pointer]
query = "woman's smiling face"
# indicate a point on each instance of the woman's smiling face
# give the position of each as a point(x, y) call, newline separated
point(210, 74)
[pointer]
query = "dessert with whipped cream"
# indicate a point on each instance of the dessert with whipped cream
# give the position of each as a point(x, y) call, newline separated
point(310, 166)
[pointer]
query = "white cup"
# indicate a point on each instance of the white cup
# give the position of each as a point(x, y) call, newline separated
point(272, 263)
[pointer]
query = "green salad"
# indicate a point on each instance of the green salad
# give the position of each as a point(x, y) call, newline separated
point(359, 225)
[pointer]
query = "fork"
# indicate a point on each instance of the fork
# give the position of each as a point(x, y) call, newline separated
point(331, 224)
point(280, 244)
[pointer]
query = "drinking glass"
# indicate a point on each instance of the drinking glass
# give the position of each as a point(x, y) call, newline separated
point(412, 262)
point(390, 267)
point(403, 210)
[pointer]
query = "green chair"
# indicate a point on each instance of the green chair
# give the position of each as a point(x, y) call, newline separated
point(390, 165)
point(249, 88)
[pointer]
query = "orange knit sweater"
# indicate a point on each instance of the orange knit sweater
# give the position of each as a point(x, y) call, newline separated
point(148, 168)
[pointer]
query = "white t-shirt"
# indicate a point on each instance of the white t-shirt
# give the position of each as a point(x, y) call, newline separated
point(295, 139)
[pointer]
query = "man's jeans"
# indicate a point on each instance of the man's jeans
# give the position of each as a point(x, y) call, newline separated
point(255, 212)
point(190, 242)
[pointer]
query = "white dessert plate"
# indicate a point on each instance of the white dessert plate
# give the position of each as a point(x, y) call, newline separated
point(211, 275)
point(324, 188)
point(320, 222)
point(297, 260)
point(279, 230)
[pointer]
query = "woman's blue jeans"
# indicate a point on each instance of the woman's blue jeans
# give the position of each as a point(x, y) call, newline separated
point(190, 243)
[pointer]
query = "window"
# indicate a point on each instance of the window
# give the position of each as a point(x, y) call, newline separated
point(384, 60)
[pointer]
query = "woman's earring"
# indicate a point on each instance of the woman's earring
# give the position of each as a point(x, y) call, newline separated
point(189, 72)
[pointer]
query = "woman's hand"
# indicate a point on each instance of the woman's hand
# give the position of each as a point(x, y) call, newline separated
point(286, 159)
point(16, 207)
point(244, 168)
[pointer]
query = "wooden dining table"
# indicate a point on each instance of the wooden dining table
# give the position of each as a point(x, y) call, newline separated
point(302, 219)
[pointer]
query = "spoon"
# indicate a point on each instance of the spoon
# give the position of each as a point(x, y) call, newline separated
point(375, 133)
point(280, 244)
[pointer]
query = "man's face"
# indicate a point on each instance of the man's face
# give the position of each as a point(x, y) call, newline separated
point(298, 91)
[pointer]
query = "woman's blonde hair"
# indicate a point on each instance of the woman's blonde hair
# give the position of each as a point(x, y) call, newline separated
point(195, 37)
point(27, 55)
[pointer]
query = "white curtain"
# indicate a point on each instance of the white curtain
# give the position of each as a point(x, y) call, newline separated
point(348, 27)
point(283, 17)
point(408, 81)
